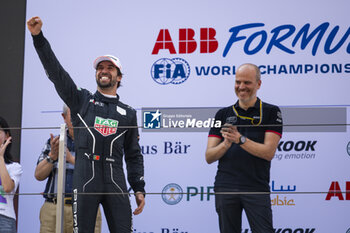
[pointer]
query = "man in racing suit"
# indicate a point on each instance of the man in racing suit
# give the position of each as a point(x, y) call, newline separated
point(105, 130)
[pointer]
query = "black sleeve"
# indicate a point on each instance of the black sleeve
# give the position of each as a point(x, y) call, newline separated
point(215, 131)
point(133, 157)
point(64, 85)
point(275, 121)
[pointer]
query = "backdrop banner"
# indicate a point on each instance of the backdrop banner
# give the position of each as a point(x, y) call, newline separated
point(179, 61)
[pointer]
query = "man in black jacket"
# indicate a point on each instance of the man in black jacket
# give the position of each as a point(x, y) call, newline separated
point(105, 130)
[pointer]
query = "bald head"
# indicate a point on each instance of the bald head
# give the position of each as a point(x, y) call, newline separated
point(249, 69)
point(247, 84)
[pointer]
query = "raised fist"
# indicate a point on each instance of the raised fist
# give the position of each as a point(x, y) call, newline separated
point(34, 25)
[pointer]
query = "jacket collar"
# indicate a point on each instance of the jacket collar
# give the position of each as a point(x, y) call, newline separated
point(103, 98)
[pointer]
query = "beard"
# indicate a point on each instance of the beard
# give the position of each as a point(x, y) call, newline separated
point(105, 85)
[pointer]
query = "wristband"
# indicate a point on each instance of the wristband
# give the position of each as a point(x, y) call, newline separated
point(50, 160)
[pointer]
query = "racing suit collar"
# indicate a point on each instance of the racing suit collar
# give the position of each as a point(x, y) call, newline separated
point(103, 98)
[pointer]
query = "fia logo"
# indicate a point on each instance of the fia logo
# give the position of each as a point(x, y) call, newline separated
point(175, 71)
point(152, 119)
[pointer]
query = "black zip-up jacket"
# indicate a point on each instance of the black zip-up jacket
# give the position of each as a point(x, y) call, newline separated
point(106, 129)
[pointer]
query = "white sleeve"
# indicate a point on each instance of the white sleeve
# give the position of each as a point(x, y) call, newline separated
point(15, 171)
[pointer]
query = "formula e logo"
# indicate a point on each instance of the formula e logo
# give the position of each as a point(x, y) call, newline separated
point(172, 194)
point(174, 71)
point(348, 148)
point(152, 119)
point(105, 127)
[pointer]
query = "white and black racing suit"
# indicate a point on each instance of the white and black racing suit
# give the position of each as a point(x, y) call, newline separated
point(106, 130)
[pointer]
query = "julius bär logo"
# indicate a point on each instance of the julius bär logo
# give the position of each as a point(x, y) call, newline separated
point(172, 194)
point(175, 71)
point(152, 119)
point(105, 127)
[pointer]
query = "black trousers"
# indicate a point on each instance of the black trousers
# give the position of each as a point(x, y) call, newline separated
point(117, 210)
point(110, 193)
point(256, 206)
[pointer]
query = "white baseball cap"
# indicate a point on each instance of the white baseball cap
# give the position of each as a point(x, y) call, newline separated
point(110, 58)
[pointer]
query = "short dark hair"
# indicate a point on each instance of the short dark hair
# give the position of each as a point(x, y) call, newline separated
point(4, 126)
point(119, 73)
